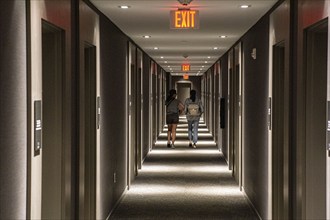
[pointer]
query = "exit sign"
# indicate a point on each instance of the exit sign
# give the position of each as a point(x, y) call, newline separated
point(185, 67)
point(184, 19)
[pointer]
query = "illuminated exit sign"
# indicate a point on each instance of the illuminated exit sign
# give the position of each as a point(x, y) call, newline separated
point(185, 67)
point(185, 19)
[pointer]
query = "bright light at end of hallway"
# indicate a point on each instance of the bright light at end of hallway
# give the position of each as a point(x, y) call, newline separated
point(185, 143)
point(183, 152)
point(187, 169)
point(186, 135)
point(169, 190)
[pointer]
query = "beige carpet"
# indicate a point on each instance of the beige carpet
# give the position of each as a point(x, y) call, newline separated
point(184, 183)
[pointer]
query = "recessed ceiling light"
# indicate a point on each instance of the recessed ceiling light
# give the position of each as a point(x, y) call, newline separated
point(209, 57)
point(124, 6)
point(146, 36)
point(202, 66)
point(165, 61)
point(245, 6)
point(162, 57)
point(223, 36)
point(215, 48)
point(205, 61)
point(168, 66)
point(156, 48)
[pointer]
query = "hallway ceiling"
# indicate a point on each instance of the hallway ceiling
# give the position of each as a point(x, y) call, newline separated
point(152, 18)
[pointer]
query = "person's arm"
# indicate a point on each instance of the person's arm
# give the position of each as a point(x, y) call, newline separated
point(201, 107)
point(186, 106)
point(181, 107)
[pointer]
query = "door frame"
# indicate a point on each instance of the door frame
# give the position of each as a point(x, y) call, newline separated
point(131, 105)
point(88, 129)
point(59, 87)
point(278, 125)
point(309, 74)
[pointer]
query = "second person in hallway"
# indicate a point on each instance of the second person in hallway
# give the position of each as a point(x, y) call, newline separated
point(193, 109)
point(173, 109)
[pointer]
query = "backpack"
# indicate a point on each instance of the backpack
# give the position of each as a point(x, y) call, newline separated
point(193, 109)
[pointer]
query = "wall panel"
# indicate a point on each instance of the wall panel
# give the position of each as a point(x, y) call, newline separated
point(13, 111)
point(255, 137)
point(114, 118)
point(58, 14)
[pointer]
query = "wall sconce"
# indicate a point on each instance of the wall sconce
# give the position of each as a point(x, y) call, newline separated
point(254, 53)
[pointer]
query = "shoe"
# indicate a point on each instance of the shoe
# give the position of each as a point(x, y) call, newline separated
point(194, 146)
point(169, 145)
point(190, 145)
point(172, 146)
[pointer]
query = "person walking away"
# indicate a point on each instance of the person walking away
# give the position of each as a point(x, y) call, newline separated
point(193, 110)
point(173, 109)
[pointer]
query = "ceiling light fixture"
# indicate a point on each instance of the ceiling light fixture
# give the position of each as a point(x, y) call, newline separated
point(162, 57)
point(156, 48)
point(215, 48)
point(209, 57)
point(245, 6)
point(223, 36)
point(146, 36)
point(124, 6)
point(185, 2)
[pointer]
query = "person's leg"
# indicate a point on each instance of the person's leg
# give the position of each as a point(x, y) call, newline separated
point(169, 131)
point(173, 133)
point(195, 138)
point(190, 124)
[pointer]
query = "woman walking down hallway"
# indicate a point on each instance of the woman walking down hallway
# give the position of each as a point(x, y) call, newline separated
point(173, 109)
point(193, 109)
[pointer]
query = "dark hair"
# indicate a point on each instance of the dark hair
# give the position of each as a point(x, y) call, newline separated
point(171, 93)
point(193, 95)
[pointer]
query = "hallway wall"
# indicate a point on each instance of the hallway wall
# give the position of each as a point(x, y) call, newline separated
point(224, 94)
point(255, 158)
point(309, 13)
point(13, 110)
point(58, 16)
point(254, 114)
point(146, 103)
point(114, 119)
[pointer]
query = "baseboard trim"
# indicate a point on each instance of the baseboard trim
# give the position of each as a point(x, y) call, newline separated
point(117, 203)
point(250, 203)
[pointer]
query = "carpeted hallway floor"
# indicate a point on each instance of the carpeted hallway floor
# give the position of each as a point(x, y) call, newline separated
point(184, 183)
